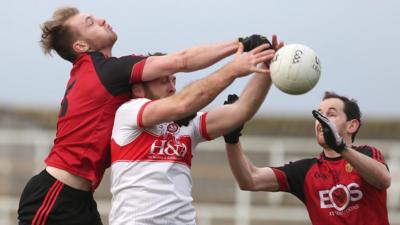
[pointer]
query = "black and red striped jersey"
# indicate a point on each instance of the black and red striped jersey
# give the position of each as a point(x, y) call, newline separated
point(333, 191)
point(98, 85)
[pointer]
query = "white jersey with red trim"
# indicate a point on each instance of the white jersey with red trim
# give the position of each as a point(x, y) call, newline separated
point(150, 173)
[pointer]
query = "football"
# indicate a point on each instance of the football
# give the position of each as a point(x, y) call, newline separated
point(295, 69)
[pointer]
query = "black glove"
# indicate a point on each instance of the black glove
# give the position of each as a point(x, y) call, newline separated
point(233, 136)
point(331, 136)
point(185, 121)
point(254, 41)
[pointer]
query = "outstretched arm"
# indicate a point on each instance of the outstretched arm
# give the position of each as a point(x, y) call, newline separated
point(188, 60)
point(197, 95)
point(244, 109)
point(225, 118)
point(374, 172)
point(196, 58)
point(247, 175)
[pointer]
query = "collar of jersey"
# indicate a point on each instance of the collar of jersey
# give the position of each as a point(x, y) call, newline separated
point(323, 156)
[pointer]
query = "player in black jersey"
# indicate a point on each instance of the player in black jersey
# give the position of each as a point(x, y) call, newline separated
point(344, 184)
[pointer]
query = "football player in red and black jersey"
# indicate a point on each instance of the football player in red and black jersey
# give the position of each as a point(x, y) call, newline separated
point(344, 184)
point(99, 83)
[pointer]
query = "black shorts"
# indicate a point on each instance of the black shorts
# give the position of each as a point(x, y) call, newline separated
point(46, 200)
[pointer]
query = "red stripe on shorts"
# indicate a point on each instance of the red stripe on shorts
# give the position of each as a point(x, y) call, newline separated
point(48, 202)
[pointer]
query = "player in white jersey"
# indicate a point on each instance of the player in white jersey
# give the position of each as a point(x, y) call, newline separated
point(151, 156)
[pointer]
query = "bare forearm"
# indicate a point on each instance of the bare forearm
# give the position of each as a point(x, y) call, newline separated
point(249, 176)
point(240, 166)
point(200, 57)
point(200, 93)
point(253, 95)
point(374, 172)
point(197, 95)
point(188, 60)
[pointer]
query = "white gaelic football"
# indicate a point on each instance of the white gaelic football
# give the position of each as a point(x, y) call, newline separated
point(295, 69)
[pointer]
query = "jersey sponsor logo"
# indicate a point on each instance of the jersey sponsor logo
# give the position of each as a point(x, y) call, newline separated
point(156, 145)
point(171, 150)
point(168, 148)
point(340, 196)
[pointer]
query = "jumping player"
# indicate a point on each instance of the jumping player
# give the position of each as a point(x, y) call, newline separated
point(98, 85)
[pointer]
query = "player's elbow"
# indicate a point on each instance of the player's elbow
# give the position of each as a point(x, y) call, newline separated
point(385, 182)
point(246, 186)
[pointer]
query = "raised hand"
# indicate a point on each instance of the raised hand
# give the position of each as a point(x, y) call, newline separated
point(331, 136)
point(246, 62)
point(275, 43)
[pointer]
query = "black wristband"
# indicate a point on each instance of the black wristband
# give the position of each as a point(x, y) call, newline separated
point(231, 139)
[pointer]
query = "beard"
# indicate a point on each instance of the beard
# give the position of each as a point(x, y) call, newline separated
point(103, 42)
point(148, 93)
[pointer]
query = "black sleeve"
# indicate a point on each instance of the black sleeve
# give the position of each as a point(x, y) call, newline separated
point(295, 175)
point(366, 150)
point(372, 152)
point(115, 73)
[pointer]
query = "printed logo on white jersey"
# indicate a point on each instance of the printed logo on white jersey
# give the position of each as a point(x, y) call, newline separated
point(340, 196)
point(167, 143)
point(168, 148)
